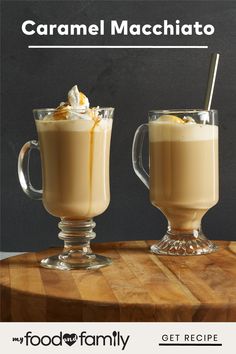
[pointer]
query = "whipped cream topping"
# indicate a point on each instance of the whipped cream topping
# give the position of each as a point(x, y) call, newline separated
point(172, 128)
point(76, 107)
point(77, 99)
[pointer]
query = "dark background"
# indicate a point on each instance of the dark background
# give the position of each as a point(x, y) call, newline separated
point(131, 80)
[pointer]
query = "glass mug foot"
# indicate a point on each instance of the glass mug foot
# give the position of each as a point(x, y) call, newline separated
point(77, 253)
point(176, 243)
point(75, 260)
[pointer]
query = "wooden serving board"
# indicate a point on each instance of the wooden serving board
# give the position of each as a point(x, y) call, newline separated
point(138, 286)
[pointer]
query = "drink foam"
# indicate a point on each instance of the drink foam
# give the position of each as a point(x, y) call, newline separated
point(76, 125)
point(169, 131)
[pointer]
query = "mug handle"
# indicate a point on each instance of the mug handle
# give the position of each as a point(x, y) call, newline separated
point(23, 170)
point(137, 156)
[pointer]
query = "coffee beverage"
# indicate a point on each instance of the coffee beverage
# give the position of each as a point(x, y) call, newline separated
point(183, 180)
point(74, 144)
point(75, 166)
point(183, 170)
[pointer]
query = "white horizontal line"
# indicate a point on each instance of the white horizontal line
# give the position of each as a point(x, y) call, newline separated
point(117, 46)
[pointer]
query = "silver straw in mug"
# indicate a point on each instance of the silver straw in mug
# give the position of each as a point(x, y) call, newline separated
point(211, 80)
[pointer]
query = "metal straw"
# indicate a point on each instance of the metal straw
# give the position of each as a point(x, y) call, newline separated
point(211, 80)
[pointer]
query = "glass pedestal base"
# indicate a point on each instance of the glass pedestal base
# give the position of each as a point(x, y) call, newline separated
point(176, 243)
point(77, 253)
point(72, 261)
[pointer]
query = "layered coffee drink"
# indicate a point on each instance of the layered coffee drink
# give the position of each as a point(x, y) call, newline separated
point(74, 145)
point(183, 169)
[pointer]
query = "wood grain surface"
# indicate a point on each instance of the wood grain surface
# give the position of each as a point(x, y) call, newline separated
point(138, 286)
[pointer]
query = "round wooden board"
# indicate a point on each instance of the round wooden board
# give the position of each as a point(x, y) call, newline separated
point(138, 286)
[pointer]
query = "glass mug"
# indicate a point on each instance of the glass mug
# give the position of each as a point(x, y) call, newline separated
point(75, 181)
point(184, 176)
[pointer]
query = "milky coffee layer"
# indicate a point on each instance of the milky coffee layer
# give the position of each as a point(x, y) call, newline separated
point(74, 125)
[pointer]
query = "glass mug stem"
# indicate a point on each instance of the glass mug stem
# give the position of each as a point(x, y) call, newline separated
point(185, 240)
point(77, 252)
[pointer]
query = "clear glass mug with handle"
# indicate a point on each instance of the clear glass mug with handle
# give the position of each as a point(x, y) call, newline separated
point(184, 176)
point(75, 181)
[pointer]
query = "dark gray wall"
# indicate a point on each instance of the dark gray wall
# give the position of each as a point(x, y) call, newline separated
point(133, 81)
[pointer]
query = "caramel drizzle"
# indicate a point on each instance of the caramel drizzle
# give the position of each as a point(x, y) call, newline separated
point(62, 112)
